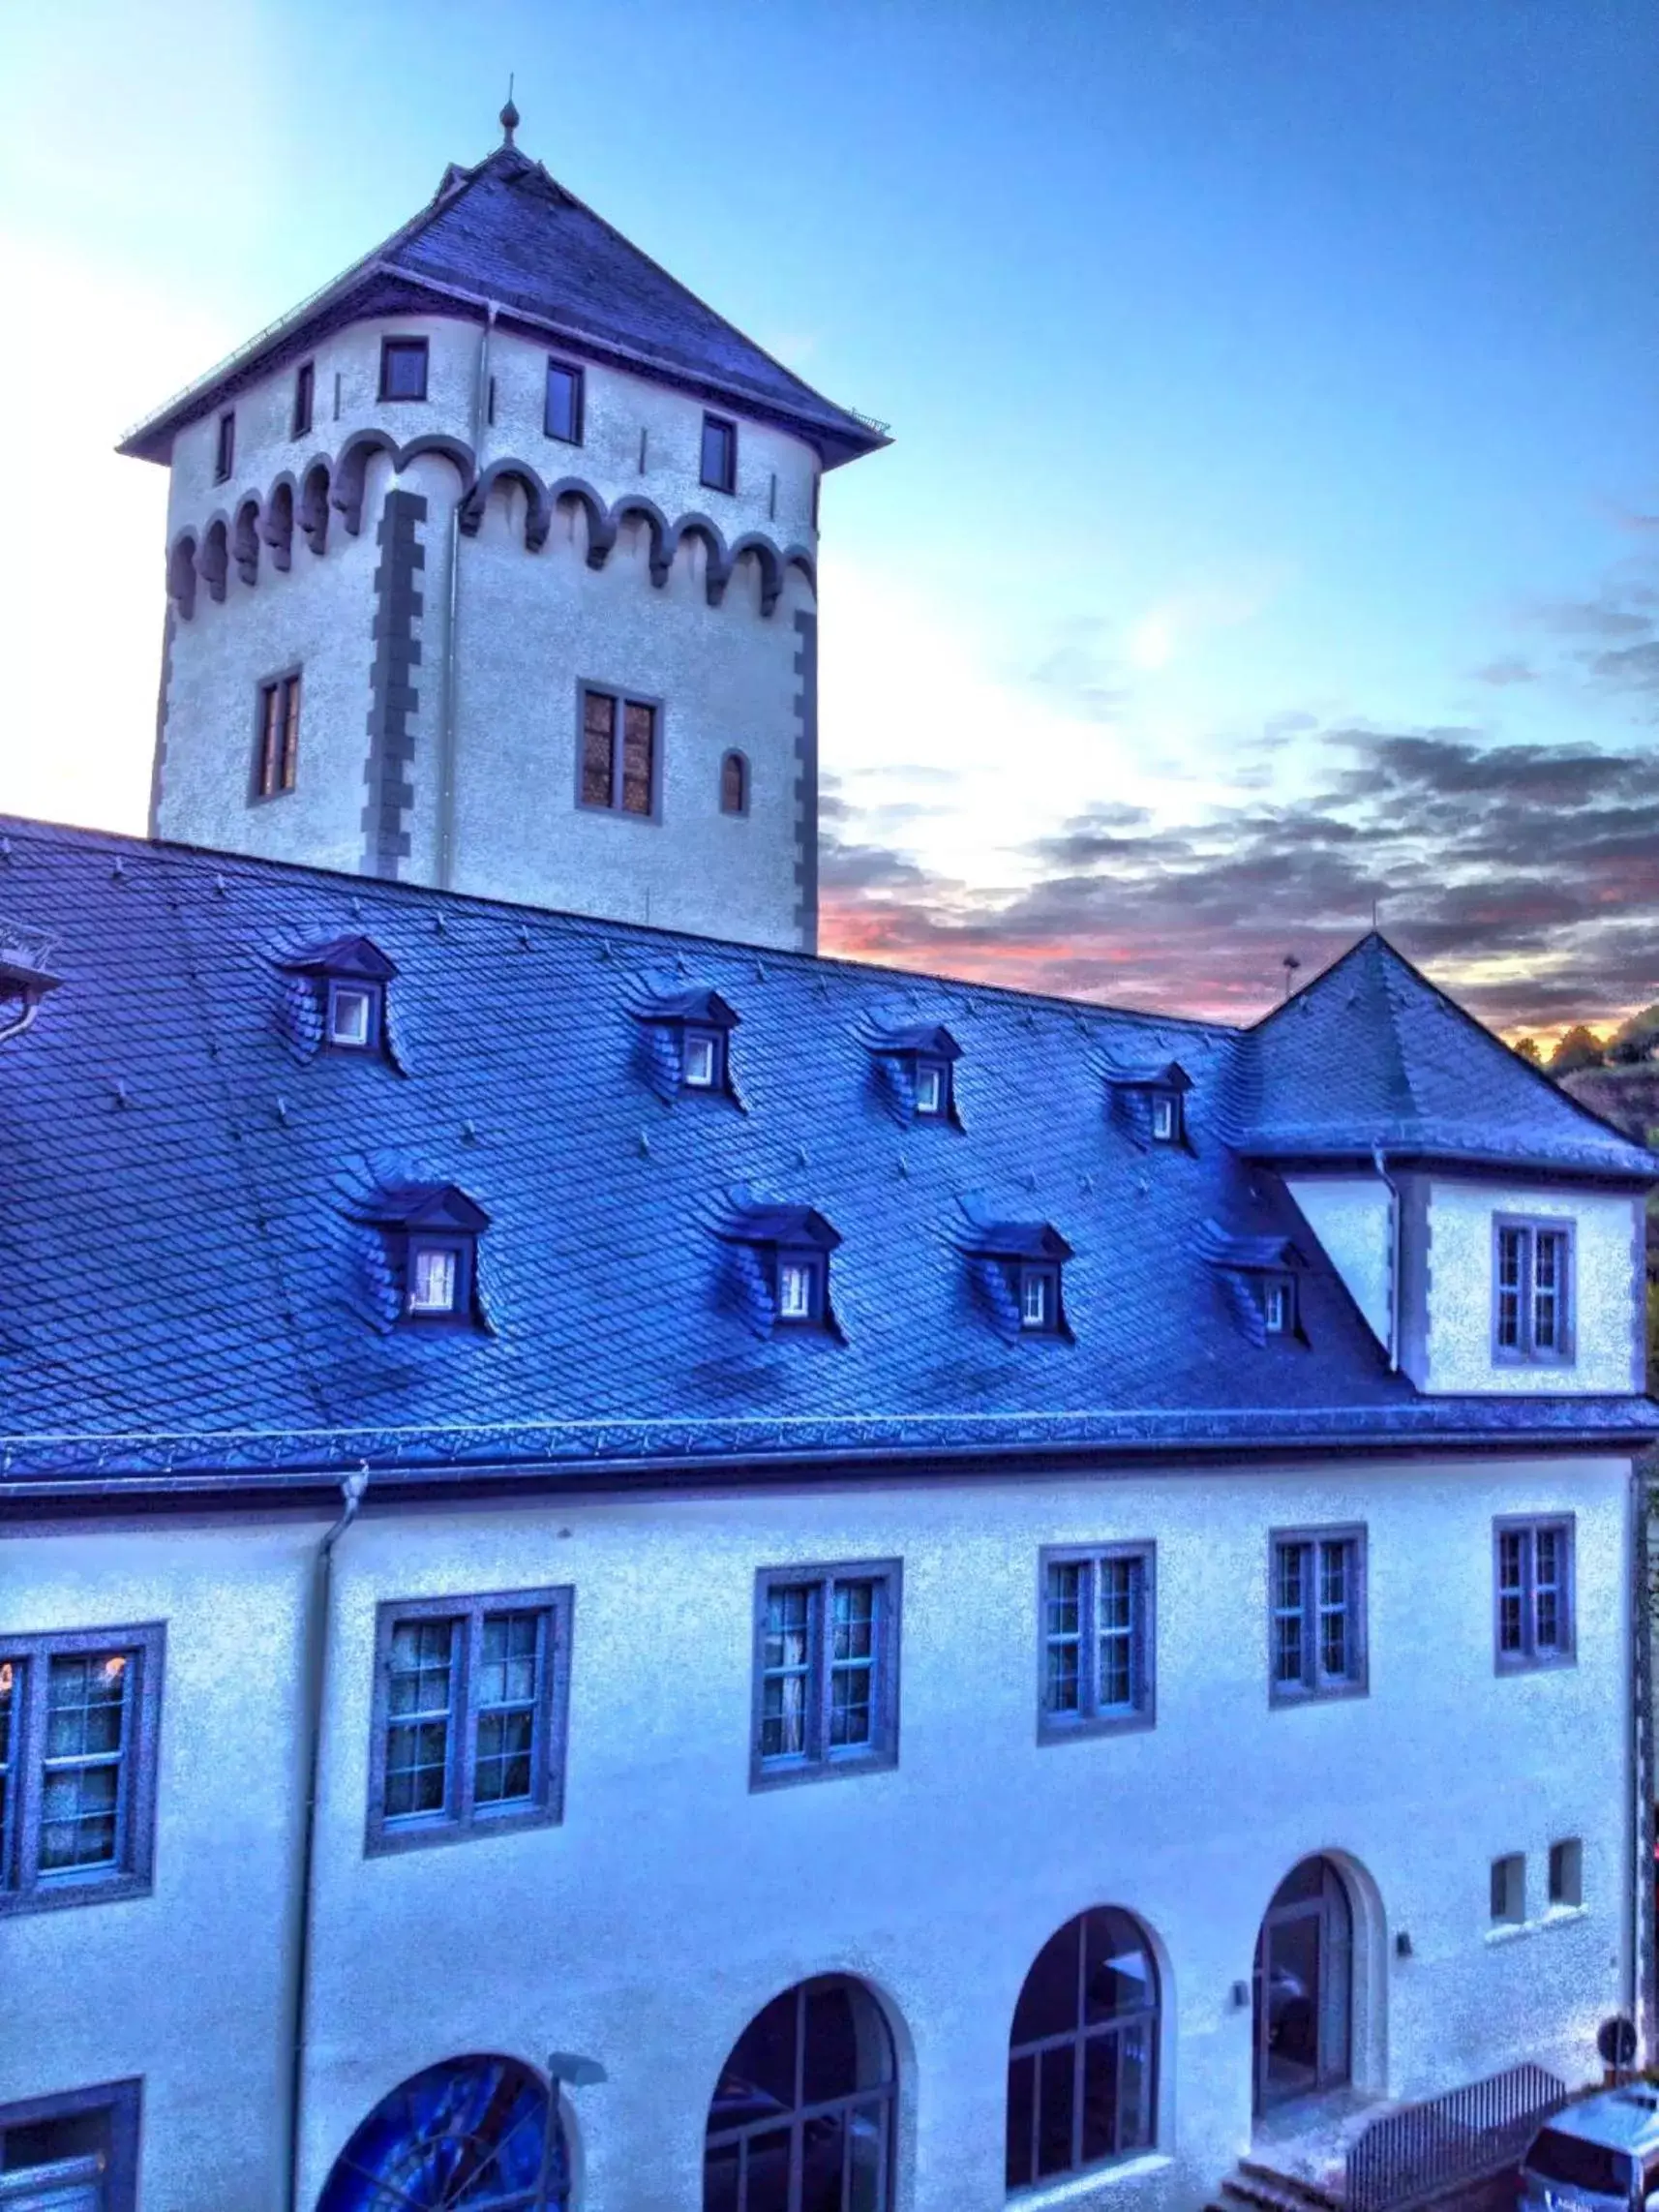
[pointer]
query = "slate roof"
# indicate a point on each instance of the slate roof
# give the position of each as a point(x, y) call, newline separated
point(504, 230)
point(1370, 1055)
point(191, 1280)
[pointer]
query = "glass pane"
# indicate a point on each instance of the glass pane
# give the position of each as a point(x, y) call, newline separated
point(1100, 2136)
point(562, 409)
point(1048, 2004)
point(829, 2059)
point(85, 1699)
point(823, 2162)
point(1021, 2166)
point(638, 737)
point(598, 749)
point(1120, 1632)
point(507, 1657)
point(1056, 2110)
point(766, 2176)
point(760, 2073)
point(1289, 1657)
point(1546, 1589)
point(417, 1767)
point(1136, 2122)
point(77, 1817)
point(720, 2178)
point(1117, 1968)
point(504, 1766)
point(866, 2159)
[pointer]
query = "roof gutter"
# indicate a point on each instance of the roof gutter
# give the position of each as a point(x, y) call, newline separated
point(1394, 1226)
point(317, 1683)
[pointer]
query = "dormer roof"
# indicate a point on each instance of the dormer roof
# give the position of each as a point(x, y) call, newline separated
point(704, 1009)
point(755, 1221)
point(429, 1207)
point(1371, 1057)
point(1145, 1075)
point(926, 1040)
point(505, 234)
point(341, 957)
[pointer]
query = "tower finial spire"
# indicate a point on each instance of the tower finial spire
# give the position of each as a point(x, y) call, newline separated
point(509, 116)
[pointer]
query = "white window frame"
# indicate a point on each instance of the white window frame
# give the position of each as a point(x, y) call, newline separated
point(702, 1061)
point(794, 1289)
point(931, 1089)
point(1165, 1122)
point(356, 1039)
point(421, 1256)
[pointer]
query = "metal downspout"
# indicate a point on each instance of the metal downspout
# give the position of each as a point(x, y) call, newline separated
point(1393, 1189)
point(317, 1683)
point(447, 714)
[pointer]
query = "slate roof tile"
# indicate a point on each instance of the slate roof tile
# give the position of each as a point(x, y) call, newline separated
point(189, 1282)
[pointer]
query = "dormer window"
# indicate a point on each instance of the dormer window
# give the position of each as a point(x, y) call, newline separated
point(781, 1272)
point(919, 1062)
point(799, 1289)
point(701, 1059)
point(353, 1017)
point(433, 1274)
point(431, 1233)
point(1038, 1298)
point(1278, 1305)
point(1149, 1099)
point(1260, 1278)
point(1165, 1117)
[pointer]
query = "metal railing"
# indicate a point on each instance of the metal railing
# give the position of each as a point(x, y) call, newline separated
point(1409, 2157)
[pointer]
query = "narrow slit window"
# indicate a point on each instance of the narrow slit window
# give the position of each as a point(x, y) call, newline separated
point(733, 784)
point(719, 453)
point(562, 416)
point(225, 448)
point(305, 395)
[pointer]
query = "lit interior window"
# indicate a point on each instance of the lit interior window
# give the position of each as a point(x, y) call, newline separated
point(699, 1063)
point(432, 1280)
point(1033, 1300)
point(1164, 1119)
point(348, 1015)
point(1278, 1309)
point(794, 1291)
point(929, 1088)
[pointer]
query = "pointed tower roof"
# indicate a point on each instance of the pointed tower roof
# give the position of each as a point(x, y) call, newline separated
point(1370, 1056)
point(505, 233)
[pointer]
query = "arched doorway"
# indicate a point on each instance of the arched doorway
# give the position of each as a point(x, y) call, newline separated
point(1304, 1987)
point(801, 2115)
point(475, 2132)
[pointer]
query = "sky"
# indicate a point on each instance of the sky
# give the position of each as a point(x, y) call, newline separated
point(1270, 536)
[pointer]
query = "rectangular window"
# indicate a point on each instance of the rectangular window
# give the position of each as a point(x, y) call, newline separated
point(562, 418)
point(794, 1291)
point(276, 765)
point(930, 1088)
point(432, 1280)
point(402, 368)
point(1096, 1640)
point(78, 1735)
point(1164, 1118)
point(1317, 1614)
point(702, 1062)
point(1532, 1291)
point(225, 450)
point(1509, 1891)
point(75, 2152)
point(619, 775)
point(305, 395)
point(825, 1670)
point(1532, 1563)
point(1567, 1872)
point(470, 1717)
point(719, 453)
point(351, 1021)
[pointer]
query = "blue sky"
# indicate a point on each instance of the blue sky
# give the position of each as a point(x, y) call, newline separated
point(1273, 518)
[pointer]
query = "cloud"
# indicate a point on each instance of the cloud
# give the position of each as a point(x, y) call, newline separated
point(1508, 668)
point(1526, 876)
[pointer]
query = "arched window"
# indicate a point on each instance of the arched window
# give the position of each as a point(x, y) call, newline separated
point(801, 2117)
point(473, 2132)
point(1083, 2055)
point(733, 784)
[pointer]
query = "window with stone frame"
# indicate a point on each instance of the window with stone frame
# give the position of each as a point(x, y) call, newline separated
point(79, 1717)
point(1097, 1639)
point(1532, 1563)
point(619, 763)
point(471, 1698)
point(1532, 1291)
point(826, 1698)
point(276, 765)
point(1317, 1614)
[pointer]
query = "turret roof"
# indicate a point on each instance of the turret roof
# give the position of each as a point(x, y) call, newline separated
point(505, 233)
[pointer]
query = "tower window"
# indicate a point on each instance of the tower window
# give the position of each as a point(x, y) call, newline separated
point(719, 453)
point(225, 451)
point(304, 393)
point(733, 784)
point(618, 777)
point(277, 763)
point(565, 395)
point(402, 368)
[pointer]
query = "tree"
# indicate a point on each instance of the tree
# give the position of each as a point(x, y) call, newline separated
point(1527, 1050)
point(1579, 1047)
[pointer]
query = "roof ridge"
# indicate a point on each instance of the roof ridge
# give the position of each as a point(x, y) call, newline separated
point(167, 849)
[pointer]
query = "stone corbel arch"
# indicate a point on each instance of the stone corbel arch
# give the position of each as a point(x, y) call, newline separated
point(245, 540)
point(719, 570)
point(351, 473)
point(213, 560)
point(633, 505)
point(763, 551)
point(538, 512)
point(601, 530)
point(181, 573)
point(799, 558)
point(314, 506)
point(277, 523)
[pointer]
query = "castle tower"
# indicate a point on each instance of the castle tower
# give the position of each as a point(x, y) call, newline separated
point(492, 566)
